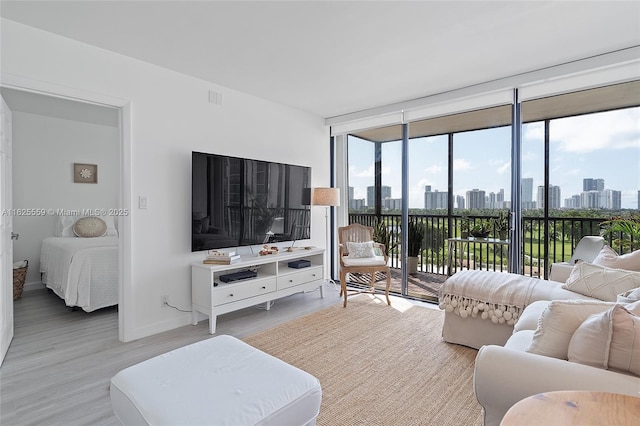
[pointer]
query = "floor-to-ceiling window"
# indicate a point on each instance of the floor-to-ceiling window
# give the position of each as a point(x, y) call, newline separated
point(580, 166)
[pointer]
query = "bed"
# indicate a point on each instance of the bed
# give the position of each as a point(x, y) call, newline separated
point(81, 271)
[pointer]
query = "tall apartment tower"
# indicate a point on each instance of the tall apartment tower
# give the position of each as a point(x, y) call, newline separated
point(527, 190)
point(591, 184)
point(435, 199)
point(476, 199)
point(460, 201)
point(554, 197)
point(371, 194)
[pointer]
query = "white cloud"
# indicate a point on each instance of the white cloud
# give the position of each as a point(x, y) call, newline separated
point(534, 131)
point(588, 133)
point(434, 169)
point(366, 173)
point(460, 164)
point(504, 168)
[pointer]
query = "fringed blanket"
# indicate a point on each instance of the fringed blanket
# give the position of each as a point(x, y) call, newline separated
point(497, 296)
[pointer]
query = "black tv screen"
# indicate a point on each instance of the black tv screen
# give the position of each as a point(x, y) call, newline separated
point(239, 202)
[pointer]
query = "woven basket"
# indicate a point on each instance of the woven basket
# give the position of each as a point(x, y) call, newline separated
point(19, 276)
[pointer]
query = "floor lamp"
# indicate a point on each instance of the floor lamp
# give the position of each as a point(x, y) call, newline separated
point(327, 197)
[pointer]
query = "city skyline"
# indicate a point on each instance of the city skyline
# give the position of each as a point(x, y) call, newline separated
point(599, 146)
point(593, 196)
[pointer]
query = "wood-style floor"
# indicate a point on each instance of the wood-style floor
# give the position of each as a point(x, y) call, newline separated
point(59, 365)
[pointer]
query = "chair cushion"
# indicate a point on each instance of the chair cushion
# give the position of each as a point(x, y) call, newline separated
point(360, 250)
point(364, 261)
point(601, 282)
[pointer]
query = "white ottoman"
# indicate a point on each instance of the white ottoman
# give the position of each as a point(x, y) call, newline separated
point(218, 381)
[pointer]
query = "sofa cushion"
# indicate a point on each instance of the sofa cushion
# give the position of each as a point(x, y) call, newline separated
point(529, 318)
point(610, 259)
point(559, 321)
point(601, 282)
point(610, 339)
point(629, 296)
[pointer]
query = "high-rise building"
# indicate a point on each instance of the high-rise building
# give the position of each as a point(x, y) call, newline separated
point(460, 201)
point(590, 199)
point(591, 184)
point(371, 194)
point(527, 190)
point(554, 197)
point(573, 202)
point(392, 204)
point(475, 199)
point(435, 199)
point(610, 199)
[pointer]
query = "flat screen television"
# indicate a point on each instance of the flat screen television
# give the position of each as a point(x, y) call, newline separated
point(240, 202)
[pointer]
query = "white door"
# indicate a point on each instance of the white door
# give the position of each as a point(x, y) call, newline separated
point(6, 247)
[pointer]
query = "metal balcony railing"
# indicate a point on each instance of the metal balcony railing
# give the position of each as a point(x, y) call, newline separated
point(537, 251)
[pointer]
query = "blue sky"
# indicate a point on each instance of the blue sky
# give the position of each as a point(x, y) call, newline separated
point(604, 145)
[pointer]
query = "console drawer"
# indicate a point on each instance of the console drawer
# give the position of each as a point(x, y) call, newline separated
point(227, 293)
point(292, 279)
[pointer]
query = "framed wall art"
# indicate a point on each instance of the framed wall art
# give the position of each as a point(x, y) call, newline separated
point(85, 173)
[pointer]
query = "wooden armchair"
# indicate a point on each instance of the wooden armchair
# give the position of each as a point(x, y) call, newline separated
point(367, 257)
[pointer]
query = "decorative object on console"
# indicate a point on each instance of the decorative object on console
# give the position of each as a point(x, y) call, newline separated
point(85, 173)
point(268, 250)
point(216, 257)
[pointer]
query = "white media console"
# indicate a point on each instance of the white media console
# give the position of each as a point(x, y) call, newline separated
point(275, 279)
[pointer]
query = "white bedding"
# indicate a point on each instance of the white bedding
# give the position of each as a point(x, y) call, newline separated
point(82, 271)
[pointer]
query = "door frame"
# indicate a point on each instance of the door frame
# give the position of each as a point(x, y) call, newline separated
point(125, 290)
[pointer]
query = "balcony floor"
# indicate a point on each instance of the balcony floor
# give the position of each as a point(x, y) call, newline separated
point(423, 285)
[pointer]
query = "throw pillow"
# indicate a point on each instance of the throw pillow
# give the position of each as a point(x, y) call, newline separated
point(558, 322)
point(610, 339)
point(89, 227)
point(610, 259)
point(601, 282)
point(64, 226)
point(360, 250)
point(629, 296)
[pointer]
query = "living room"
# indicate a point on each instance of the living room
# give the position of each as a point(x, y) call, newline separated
point(166, 114)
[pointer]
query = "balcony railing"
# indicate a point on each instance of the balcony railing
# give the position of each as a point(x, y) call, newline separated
point(564, 233)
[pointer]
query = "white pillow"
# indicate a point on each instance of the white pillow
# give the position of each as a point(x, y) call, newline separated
point(629, 296)
point(360, 250)
point(64, 226)
point(610, 339)
point(559, 321)
point(89, 227)
point(609, 258)
point(601, 282)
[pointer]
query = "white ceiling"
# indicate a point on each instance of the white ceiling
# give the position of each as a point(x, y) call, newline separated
point(336, 57)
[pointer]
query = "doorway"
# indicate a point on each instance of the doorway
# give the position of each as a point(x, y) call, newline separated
point(69, 131)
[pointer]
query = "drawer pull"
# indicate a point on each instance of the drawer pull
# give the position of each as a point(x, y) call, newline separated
point(231, 295)
point(264, 288)
point(290, 281)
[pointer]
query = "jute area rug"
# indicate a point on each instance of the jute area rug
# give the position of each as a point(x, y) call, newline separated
point(379, 364)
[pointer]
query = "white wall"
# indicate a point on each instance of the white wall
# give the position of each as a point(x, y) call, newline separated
point(44, 150)
point(171, 117)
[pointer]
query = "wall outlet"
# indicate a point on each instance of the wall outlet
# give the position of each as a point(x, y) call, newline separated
point(164, 300)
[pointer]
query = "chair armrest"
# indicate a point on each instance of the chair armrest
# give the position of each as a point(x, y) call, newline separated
point(560, 271)
point(505, 376)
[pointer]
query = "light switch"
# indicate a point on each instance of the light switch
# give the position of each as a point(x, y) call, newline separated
point(142, 202)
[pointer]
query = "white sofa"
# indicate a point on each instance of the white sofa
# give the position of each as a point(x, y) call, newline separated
point(506, 375)
point(473, 331)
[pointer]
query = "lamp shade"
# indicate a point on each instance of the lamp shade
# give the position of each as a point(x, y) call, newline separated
point(325, 197)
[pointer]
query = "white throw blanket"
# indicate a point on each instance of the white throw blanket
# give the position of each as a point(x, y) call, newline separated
point(497, 296)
